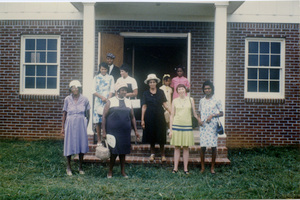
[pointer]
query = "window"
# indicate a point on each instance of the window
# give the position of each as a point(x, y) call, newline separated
point(264, 68)
point(40, 66)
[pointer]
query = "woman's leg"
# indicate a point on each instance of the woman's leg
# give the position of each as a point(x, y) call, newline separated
point(186, 154)
point(111, 164)
point(80, 160)
point(202, 156)
point(69, 163)
point(152, 148)
point(122, 161)
point(176, 157)
point(98, 129)
point(213, 159)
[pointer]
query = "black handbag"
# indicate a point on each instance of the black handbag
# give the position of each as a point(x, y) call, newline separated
point(220, 129)
point(195, 122)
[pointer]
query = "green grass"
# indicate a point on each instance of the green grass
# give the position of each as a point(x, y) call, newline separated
point(36, 170)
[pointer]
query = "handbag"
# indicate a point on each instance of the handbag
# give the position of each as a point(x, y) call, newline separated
point(136, 103)
point(220, 129)
point(194, 119)
point(102, 152)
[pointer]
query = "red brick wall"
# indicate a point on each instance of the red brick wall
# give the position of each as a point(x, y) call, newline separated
point(247, 124)
point(29, 116)
point(264, 122)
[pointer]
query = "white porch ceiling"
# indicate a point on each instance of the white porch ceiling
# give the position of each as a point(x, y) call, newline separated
point(152, 11)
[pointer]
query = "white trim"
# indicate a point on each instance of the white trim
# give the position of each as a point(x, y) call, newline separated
point(266, 95)
point(22, 88)
point(167, 35)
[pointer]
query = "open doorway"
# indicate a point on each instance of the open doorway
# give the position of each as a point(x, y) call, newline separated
point(154, 55)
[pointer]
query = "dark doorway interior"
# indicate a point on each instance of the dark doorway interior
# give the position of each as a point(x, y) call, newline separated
point(154, 55)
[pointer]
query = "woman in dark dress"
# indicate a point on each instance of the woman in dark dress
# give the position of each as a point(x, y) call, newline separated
point(117, 120)
point(153, 119)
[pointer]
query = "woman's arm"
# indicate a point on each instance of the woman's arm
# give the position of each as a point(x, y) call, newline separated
point(144, 108)
point(105, 113)
point(171, 119)
point(62, 132)
point(194, 110)
point(100, 96)
point(110, 95)
point(165, 104)
point(133, 123)
point(133, 94)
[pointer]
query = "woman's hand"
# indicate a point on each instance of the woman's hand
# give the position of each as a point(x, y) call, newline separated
point(104, 99)
point(137, 135)
point(209, 118)
point(62, 132)
point(170, 134)
point(143, 124)
point(200, 122)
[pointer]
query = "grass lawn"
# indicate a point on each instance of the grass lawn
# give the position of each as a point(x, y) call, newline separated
point(37, 170)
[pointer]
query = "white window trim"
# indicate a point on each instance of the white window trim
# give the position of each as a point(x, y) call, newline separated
point(22, 88)
point(266, 95)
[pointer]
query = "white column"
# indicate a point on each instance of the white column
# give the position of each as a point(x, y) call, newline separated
point(88, 55)
point(220, 52)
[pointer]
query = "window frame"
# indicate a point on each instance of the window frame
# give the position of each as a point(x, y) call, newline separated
point(266, 95)
point(35, 91)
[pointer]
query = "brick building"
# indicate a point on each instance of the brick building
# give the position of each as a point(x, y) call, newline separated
point(249, 50)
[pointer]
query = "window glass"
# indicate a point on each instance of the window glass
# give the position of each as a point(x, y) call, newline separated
point(252, 73)
point(274, 86)
point(263, 86)
point(263, 73)
point(40, 82)
point(275, 60)
point(41, 44)
point(253, 47)
point(264, 60)
point(51, 83)
point(41, 57)
point(274, 73)
point(275, 47)
point(30, 70)
point(264, 47)
point(30, 44)
point(29, 82)
point(29, 57)
point(41, 70)
point(51, 57)
point(52, 70)
point(52, 44)
point(253, 60)
point(252, 86)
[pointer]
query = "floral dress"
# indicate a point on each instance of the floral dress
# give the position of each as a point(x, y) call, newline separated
point(208, 132)
point(103, 85)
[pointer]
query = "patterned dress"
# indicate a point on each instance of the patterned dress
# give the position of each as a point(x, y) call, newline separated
point(103, 85)
point(208, 132)
point(182, 124)
point(76, 140)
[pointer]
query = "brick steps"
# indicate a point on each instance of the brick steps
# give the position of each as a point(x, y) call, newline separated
point(145, 160)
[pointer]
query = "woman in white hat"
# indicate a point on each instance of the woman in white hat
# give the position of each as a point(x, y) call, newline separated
point(153, 120)
point(118, 118)
point(76, 114)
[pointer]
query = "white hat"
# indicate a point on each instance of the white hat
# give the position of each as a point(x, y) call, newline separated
point(151, 77)
point(76, 83)
point(119, 85)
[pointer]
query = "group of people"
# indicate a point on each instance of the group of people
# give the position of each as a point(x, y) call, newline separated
point(161, 113)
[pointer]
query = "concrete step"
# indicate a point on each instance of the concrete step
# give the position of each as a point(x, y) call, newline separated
point(145, 160)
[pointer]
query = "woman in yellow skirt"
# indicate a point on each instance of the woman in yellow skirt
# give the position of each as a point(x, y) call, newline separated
point(181, 130)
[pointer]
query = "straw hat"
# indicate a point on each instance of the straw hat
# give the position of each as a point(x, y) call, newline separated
point(75, 83)
point(119, 85)
point(151, 77)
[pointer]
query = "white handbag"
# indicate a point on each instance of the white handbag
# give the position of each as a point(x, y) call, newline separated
point(102, 152)
point(136, 103)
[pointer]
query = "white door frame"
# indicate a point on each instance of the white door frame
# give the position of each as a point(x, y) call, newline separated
point(166, 35)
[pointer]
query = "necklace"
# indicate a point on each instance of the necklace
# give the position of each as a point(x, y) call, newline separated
point(182, 103)
point(120, 98)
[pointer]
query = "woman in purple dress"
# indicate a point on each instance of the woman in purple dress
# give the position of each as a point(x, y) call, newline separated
point(74, 125)
point(117, 120)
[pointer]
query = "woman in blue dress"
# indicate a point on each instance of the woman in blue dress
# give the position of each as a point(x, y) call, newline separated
point(103, 86)
point(76, 114)
point(118, 118)
point(210, 109)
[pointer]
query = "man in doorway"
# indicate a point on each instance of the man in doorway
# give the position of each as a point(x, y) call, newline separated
point(113, 70)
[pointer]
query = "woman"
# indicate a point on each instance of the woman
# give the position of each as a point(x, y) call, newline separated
point(76, 115)
point(210, 109)
point(117, 120)
point(179, 79)
point(103, 88)
point(132, 90)
point(153, 120)
point(181, 130)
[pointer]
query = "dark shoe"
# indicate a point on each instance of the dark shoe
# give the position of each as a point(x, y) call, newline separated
point(186, 172)
point(174, 172)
